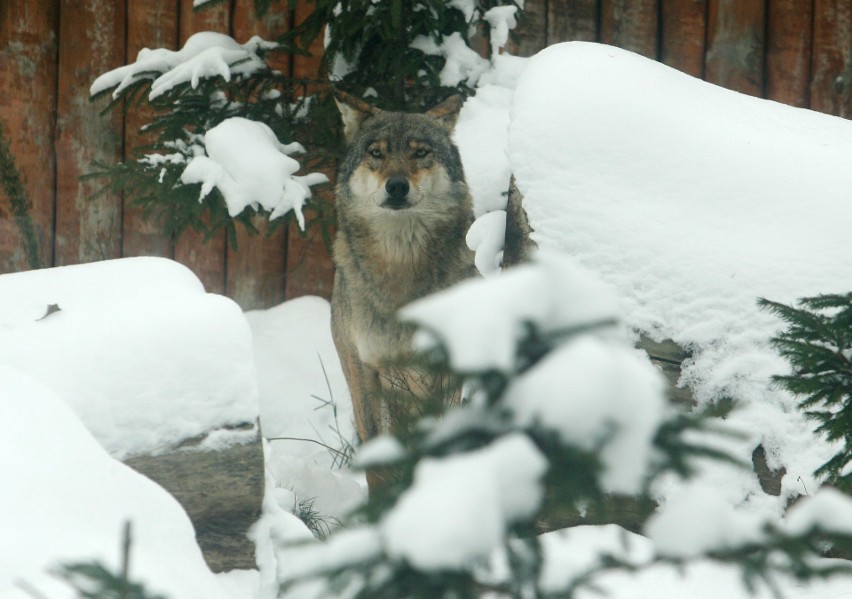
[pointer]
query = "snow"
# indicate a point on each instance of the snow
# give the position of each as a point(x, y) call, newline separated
point(691, 201)
point(304, 411)
point(462, 63)
point(828, 510)
point(502, 21)
point(622, 184)
point(720, 527)
point(564, 561)
point(69, 501)
point(480, 321)
point(379, 450)
point(572, 552)
point(244, 158)
point(601, 395)
point(143, 356)
point(205, 54)
point(458, 508)
point(481, 135)
point(485, 237)
point(248, 164)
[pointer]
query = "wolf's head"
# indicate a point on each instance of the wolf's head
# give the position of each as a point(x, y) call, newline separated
point(398, 162)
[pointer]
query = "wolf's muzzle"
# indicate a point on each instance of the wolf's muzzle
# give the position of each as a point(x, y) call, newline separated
point(397, 189)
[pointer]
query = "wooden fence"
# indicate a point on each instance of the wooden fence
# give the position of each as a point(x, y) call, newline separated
point(793, 51)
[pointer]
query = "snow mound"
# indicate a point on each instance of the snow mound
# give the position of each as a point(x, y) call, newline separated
point(482, 135)
point(137, 349)
point(66, 501)
point(691, 201)
point(205, 54)
point(306, 416)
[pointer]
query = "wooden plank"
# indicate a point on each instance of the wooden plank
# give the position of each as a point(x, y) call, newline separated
point(310, 270)
point(205, 258)
point(788, 51)
point(683, 35)
point(91, 42)
point(28, 45)
point(569, 20)
point(831, 84)
point(150, 24)
point(309, 66)
point(631, 24)
point(736, 45)
point(257, 269)
point(532, 29)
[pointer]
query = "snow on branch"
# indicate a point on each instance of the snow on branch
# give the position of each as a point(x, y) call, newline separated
point(250, 167)
point(204, 55)
point(482, 320)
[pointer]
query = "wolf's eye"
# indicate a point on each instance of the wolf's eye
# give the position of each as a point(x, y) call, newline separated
point(375, 153)
point(421, 152)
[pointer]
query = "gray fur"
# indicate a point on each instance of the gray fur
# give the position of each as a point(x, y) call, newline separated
point(387, 258)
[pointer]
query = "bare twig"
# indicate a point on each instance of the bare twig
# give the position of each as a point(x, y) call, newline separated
point(328, 447)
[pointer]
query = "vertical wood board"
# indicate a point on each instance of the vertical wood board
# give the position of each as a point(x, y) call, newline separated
point(150, 24)
point(256, 270)
point(631, 24)
point(736, 45)
point(683, 35)
point(28, 47)
point(831, 83)
point(570, 20)
point(789, 38)
point(309, 267)
point(91, 42)
point(532, 29)
point(205, 258)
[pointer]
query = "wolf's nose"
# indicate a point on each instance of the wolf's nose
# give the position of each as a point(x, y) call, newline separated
point(397, 188)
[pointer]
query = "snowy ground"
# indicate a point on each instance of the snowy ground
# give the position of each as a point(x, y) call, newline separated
point(687, 201)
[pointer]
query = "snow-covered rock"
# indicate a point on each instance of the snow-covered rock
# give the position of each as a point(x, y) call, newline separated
point(135, 346)
point(65, 500)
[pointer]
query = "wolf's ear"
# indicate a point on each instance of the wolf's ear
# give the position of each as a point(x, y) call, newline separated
point(448, 111)
point(353, 111)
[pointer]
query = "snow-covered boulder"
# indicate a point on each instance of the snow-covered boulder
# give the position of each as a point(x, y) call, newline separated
point(692, 201)
point(160, 372)
point(139, 351)
point(65, 500)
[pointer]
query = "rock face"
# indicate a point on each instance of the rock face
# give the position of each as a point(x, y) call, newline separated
point(221, 491)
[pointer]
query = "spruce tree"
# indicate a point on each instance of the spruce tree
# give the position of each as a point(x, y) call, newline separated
point(390, 50)
point(818, 345)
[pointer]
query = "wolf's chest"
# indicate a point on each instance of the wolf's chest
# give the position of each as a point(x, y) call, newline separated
point(382, 343)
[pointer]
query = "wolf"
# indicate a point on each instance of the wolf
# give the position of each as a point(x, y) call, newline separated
point(403, 210)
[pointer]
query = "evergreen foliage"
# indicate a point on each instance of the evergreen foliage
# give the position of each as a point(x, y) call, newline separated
point(573, 480)
point(375, 36)
point(818, 345)
point(182, 115)
point(93, 580)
